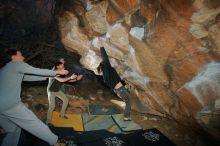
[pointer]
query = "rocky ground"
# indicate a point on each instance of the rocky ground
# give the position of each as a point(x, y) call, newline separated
point(36, 99)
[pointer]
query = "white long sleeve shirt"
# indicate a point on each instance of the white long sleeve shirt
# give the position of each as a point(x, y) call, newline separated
point(11, 77)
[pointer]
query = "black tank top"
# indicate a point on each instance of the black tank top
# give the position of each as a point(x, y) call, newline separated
point(56, 85)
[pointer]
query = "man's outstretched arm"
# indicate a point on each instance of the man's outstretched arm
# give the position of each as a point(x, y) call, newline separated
point(27, 69)
point(34, 78)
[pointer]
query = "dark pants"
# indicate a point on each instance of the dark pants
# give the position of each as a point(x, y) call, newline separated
point(122, 92)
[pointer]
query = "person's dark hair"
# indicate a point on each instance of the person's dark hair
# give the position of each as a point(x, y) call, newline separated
point(9, 53)
point(100, 67)
point(57, 64)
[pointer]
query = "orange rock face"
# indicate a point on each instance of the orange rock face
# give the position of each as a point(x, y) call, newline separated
point(118, 8)
point(169, 61)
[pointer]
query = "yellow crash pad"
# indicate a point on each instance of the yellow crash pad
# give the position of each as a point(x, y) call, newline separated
point(74, 121)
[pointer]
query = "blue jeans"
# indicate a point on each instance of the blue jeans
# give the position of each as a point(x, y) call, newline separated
point(122, 92)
